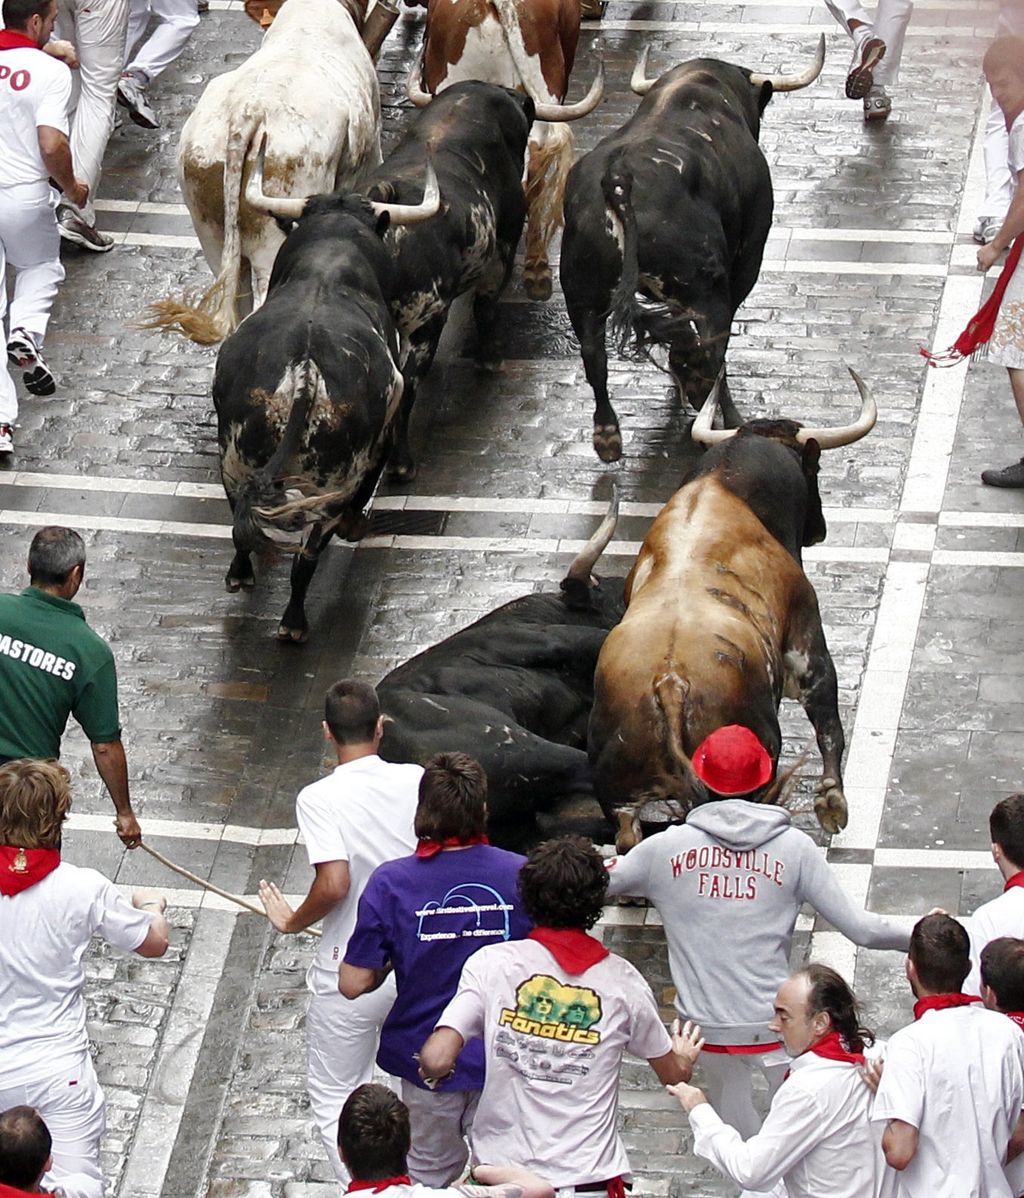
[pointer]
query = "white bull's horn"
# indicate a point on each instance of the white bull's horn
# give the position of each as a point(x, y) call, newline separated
point(835, 438)
point(573, 112)
point(701, 430)
point(414, 84)
point(410, 214)
point(792, 83)
point(638, 80)
point(287, 207)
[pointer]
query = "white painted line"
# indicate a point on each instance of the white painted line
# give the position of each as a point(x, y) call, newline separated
point(188, 830)
point(934, 859)
point(920, 537)
point(921, 270)
point(965, 557)
point(765, 31)
point(981, 519)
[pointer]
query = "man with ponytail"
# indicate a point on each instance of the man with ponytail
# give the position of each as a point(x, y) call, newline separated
point(817, 1137)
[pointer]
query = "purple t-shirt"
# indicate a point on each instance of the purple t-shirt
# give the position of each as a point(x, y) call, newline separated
point(427, 916)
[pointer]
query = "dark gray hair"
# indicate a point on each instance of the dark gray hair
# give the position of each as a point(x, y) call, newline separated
point(53, 554)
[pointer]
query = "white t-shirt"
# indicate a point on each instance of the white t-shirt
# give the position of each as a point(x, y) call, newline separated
point(553, 1045)
point(362, 813)
point(956, 1075)
point(817, 1136)
point(1003, 916)
point(1016, 148)
point(35, 89)
point(44, 932)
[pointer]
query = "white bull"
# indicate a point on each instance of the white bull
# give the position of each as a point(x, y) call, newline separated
point(312, 89)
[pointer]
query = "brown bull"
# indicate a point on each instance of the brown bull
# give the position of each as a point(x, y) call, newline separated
point(721, 621)
point(529, 45)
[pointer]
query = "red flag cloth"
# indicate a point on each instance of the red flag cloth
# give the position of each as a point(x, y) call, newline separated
point(430, 848)
point(572, 948)
point(1016, 880)
point(742, 1050)
point(378, 1186)
point(22, 868)
point(980, 326)
point(940, 1002)
point(616, 1188)
point(10, 40)
point(831, 1047)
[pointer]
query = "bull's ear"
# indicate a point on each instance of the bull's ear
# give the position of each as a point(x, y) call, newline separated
point(766, 94)
point(811, 457)
point(383, 223)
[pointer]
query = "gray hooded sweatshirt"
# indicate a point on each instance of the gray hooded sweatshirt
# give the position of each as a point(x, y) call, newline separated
point(728, 885)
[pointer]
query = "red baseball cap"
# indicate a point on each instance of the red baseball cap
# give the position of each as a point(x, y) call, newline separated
point(732, 761)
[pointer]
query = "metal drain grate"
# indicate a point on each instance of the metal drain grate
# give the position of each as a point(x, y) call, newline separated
point(409, 524)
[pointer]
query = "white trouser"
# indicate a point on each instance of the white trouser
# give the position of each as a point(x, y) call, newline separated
point(175, 21)
point(71, 1104)
point(440, 1123)
point(342, 1035)
point(889, 23)
point(98, 29)
point(999, 184)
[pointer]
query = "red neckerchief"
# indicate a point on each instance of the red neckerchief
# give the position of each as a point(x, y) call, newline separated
point(430, 848)
point(378, 1186)
point(940, 1002)
point(10, 39)
point(832, 1048)
point(572, 948)
point(22, 868)
point(7, 1191)
point(1016, 880)
point(1017, 1017)
point(982, 324)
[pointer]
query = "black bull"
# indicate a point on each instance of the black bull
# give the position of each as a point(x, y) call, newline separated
point(665, 227)
point(514, 690)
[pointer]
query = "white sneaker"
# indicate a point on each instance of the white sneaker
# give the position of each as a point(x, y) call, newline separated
point(877, 104)
point(985, 228)
point(868, 52)
point(6, 439)
point(131, 94)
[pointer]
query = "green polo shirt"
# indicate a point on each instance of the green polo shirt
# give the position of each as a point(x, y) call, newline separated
point(52, 665)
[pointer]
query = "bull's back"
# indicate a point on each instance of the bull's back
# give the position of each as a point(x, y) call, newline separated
point(704, 604)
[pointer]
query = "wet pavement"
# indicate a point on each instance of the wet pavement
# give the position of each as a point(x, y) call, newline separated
point(919, 580)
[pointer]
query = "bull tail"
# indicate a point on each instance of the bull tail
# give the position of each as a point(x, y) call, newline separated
point(550, 163)
point(267, 517)
point(208, 318)
point(637, 324)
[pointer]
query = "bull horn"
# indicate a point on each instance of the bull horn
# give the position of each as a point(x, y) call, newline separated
point(835, 438)
point(701, 430)
point(414, 84)
point(792, 83)
point(411, 214)
point(584, 561)
point(638, 80)
point(286, 207)
point(573, 112)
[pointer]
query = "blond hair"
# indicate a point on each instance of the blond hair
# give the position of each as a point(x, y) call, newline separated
point(34, 800)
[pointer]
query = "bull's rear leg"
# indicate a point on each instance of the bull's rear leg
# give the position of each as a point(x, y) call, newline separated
point(293, 627)
point(485, 311)
point(590, 329)
point(240, 573)
point(536, 267)
point(422, 347)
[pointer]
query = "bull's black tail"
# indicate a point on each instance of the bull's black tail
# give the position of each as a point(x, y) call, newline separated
point(638, 323)
point(263, 518)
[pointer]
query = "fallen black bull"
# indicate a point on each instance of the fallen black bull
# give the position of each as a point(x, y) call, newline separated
point(514, 690)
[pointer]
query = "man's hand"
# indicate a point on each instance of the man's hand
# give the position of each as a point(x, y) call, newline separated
point(128, 829)
point(78, 194)
point(279, 911)
point(687, 1042)
point(149, 898)
point(988, 255)
point(65, 51)
point(689, 1096)
point(871, 1072)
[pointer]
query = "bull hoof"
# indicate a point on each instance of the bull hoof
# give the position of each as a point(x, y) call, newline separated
point(490, 365)
point(831, 810)
point(292, 636)
point(537, 282)
point(402, 472)
point(233, 584)
point(607, 442)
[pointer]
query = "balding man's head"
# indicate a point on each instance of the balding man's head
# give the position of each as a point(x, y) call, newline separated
point(24, 1148)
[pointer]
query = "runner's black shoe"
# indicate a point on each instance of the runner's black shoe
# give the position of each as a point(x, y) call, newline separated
point(23, 352)
point(1009, 476)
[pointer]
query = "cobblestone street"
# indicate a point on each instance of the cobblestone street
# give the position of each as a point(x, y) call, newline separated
point(919, 580)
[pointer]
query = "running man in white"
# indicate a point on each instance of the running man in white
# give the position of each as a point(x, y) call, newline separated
point(175, 21)
point(1004, 915)
point(877, 50)
point(355, 819)
point(97, 29)
point(952, 1087)
point(35, 89)
point(817, 1137)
